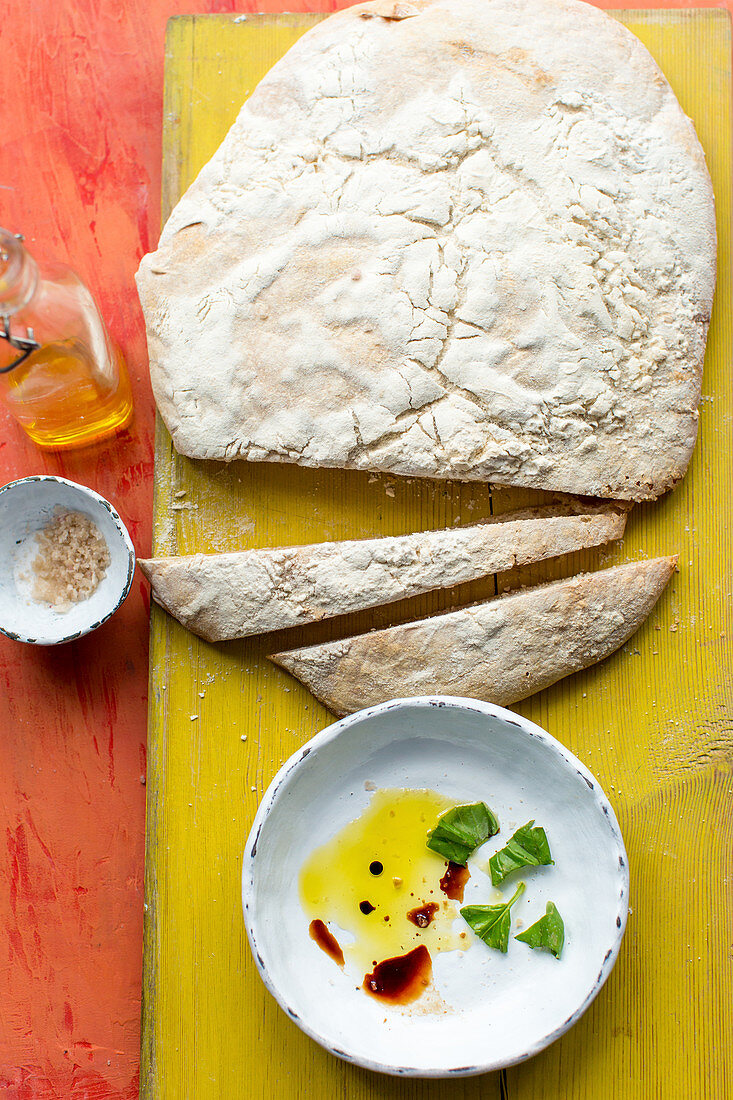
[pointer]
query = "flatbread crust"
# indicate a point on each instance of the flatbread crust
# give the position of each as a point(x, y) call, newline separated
point(500, 651)
point(464, 238)
point(224, 596)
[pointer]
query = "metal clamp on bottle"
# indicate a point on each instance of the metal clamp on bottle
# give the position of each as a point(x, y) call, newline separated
point(26, 344)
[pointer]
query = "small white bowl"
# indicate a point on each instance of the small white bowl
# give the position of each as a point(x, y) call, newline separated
point(28, 505)
point(500, 1009)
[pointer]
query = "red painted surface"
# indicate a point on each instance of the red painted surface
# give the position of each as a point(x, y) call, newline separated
point(81, 85)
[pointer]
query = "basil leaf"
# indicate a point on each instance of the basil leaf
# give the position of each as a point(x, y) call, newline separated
point(527, 848)
point(461, 830)
point(491, 923)
point(547, 934)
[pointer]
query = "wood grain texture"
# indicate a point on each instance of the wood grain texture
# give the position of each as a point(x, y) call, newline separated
point(76, 173)
point(653, 722)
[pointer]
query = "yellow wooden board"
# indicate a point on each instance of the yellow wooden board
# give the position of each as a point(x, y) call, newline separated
point(654, 722)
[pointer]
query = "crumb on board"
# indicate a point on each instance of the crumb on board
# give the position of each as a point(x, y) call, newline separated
point(72, 559)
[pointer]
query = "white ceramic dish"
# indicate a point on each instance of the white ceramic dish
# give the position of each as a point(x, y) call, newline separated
point(28, 505)
point(501, 1008)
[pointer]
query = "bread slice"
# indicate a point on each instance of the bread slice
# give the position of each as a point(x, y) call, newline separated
point(499, 651)
point(223, 596)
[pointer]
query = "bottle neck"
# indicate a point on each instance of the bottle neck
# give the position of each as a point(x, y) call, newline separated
point(18, 275)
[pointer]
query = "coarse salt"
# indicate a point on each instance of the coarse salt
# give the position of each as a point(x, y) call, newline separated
point(72, 559)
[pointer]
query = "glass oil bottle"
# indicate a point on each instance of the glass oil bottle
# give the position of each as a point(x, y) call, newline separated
point(60, 375)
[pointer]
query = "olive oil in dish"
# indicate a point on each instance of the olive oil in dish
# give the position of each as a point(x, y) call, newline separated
point(376, 887)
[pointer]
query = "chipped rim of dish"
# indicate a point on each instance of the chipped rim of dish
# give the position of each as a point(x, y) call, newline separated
point(98, 503)
point(326, 736)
